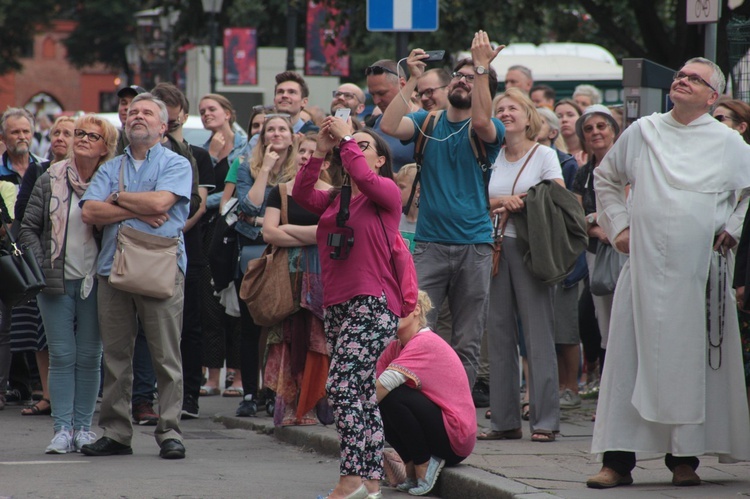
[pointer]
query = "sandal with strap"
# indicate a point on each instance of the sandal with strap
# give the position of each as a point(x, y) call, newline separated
point(542, 436)
point(35, 410)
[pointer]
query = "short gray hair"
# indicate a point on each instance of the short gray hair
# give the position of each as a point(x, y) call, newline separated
point(163, 114)
point(718, 81)
point(16, 112)
point(550, 117)
point(523, 69)
point(589, 91)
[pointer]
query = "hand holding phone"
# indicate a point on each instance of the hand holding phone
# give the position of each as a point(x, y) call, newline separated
point(343, 113)
point(434, 56)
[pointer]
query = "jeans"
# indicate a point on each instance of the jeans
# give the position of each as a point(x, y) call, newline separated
point(75, 351)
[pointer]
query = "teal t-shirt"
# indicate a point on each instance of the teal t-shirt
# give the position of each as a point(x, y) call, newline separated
point(452, 199)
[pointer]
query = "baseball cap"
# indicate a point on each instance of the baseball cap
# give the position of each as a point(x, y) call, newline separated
point(131, 90)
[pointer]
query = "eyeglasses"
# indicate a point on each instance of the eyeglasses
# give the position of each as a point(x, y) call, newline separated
point(457, 76)
point(694, 79)
point(364, 145)
point(277, 115)
point(346, 95)
point(601, 126)
point(262, 109)
point(427, 92)
point(93, 137)
point(725, 117)
point(378, 70)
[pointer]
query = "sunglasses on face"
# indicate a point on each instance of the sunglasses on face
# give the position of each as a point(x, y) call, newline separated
point(599, 126)
point(93, 137)
point(724, 117)
point(378, 70)
point(692, 78)
point(262, 109)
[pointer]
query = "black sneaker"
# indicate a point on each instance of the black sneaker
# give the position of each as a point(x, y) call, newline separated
point(15, 396)
point(189, 407)
point(247, 409)
point(481, 394)
point(144, 415)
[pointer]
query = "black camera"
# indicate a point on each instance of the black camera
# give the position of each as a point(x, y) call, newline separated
point(341, 242)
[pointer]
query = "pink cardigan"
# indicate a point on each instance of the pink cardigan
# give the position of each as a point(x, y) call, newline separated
point(368, 269)
point(432, 366)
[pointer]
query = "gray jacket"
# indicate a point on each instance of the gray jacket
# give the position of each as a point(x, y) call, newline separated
point(36, 232)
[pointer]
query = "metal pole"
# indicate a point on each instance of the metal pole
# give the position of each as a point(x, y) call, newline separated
point(291, 34)
point(710, 34)
point(402, 45)
point(212, 43)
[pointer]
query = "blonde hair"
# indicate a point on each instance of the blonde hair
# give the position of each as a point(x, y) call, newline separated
point(425, 305)
point(516, 95)
point(288, 169)
point(409, 168)
point(109, 133)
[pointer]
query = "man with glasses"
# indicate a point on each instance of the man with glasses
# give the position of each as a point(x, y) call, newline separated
point(453, 254)
point(349, 96)
point(673, 380)
point(432, 89)
point(154, 199)
point(384, 83)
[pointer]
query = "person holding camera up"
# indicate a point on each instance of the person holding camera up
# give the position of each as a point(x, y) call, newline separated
point(361, 297)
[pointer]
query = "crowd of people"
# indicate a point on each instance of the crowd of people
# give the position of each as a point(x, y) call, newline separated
point(510, 205)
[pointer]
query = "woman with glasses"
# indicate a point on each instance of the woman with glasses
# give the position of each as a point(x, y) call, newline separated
point(514, 291)
point(66, 249)
point(361, 297)
point(736, 115)
point(273, 160)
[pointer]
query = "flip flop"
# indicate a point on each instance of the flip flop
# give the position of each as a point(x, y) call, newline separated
point(34, 410)
point(501, 435)
point(542, 436)
point(207, 391)
point(233, 391)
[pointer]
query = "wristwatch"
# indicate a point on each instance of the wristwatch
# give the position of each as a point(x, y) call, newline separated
point(115, 197)
point(480, 70)
point(345, 138)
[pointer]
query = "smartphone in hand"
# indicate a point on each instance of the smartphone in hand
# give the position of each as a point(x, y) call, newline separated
point(343, 113)
point(434, 56)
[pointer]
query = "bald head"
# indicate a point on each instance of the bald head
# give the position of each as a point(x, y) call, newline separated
point(350, 96)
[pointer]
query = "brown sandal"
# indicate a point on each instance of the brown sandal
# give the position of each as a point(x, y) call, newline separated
point(501, 435)
point(542, 436)
point(35, 410)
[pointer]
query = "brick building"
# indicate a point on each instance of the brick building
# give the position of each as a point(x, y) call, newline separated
point(51, 82)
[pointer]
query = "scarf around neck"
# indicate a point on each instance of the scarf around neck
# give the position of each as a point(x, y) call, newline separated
point(63, 177)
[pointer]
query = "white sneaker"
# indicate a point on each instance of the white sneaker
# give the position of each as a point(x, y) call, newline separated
point(570, 400)
point(83, 437)
point(62, 442)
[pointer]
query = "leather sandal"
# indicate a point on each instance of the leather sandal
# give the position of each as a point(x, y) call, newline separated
point(542, 436)
point(608, 478)
point(35, 410)
point(501, 435)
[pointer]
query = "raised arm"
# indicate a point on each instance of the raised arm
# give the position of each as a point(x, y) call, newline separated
point(483, 54)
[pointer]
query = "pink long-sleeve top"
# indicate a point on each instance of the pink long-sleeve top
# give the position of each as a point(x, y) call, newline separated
point(433, 367)
point(368, 270)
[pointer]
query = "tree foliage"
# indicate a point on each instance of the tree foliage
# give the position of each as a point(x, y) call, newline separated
point(18, 22)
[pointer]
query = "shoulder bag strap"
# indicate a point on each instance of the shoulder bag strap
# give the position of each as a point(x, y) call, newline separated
point(480, 154)
point(419, 146)
point(504, 221)
point(284, 205)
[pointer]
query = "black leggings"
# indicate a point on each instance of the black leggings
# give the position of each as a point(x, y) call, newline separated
point(414, 427)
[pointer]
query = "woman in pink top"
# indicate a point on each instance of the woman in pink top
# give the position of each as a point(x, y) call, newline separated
point(423, 391)
point(361, 297)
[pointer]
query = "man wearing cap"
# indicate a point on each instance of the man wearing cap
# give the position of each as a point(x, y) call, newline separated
point(126, 96)
point(384, 84)
point(673, 379)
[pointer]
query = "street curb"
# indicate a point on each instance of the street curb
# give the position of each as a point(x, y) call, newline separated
point(460, 481)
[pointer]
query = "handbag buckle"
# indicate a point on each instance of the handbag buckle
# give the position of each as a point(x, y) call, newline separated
point(16, 250)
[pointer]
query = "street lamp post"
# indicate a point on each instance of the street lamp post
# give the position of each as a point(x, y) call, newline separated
point(167, 21)
point(212, 7)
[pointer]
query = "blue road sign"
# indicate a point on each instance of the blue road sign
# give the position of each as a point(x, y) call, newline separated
point(402, 15)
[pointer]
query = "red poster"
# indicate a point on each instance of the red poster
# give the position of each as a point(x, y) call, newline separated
point(327, 51)
point(240, 56)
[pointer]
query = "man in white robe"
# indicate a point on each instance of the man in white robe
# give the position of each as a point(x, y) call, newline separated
point(673, 380)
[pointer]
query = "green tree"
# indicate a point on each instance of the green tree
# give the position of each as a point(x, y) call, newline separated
point(18, 23)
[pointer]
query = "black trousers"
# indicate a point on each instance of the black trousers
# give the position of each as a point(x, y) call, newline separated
point(249, 348)
point(414, 426)
point(624, 462)
point(191, 342)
